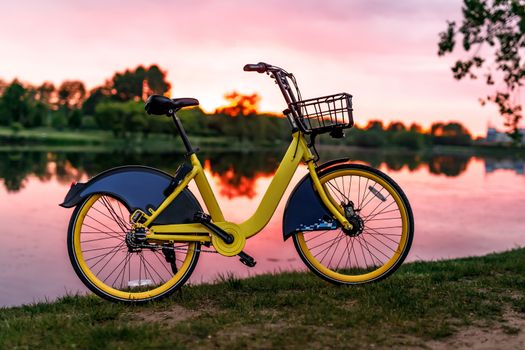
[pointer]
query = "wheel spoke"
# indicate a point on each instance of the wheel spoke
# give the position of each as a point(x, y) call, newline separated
point(340, 199)
point(325, 242)
point(380, 234)
point(104, 254)
point(101, 239)
point(115, 216)
point(343, 254)
point(327, 249)
point(371, 198)
point(364, 217)
point(92, 218)
point(146, 271)
point(123, 272)
point(362, 250)
point(372, 255)
point(367, 245)
point(107, 262)
point(349, 188)
point(365, 194)
point(319, 235)
point(101, 227)
point(116, 267)
point(373, 211)
point(335, 249)
point(161, 262)
point(153, 268)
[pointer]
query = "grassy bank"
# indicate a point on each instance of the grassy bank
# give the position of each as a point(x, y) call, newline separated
point(99, 140)
point(421, 303)
point(49, 139)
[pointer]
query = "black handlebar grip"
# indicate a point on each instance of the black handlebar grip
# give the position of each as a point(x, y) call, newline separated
point(260, 67)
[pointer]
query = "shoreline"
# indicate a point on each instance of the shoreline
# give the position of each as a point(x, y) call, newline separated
point(438, 304)
point(99, 140)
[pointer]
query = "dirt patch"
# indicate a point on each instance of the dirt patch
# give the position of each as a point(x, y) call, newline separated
point(509, 335)
point(348, 304)
point(237, 335)
point(174, 314)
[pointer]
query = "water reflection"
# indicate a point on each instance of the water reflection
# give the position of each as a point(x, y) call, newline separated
point(237, 172)
point(516, 165)
point(237, 175)
point(463, 205)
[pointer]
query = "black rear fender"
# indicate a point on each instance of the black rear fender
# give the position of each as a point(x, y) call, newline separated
point(138, 187)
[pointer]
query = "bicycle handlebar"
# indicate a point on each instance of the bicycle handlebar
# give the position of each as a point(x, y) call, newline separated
point(260, 67)
point(282, 78)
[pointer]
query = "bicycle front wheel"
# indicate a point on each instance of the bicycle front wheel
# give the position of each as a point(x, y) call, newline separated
point(382, 233)
point(114, 264)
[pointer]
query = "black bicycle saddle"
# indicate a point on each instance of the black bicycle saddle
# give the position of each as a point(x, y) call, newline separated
point(161, 105)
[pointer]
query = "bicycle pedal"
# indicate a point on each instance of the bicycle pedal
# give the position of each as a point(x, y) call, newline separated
point(247, 260)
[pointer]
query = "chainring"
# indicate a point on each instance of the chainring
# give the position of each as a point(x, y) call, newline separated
point(234, 248)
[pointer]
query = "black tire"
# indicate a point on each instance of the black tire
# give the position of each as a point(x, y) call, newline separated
point(317, 267)
point(74, 258)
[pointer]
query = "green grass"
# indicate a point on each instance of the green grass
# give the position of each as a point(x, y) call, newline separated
point(422, 301)
point(49, 139)
point(99, 140)
point(51, 136)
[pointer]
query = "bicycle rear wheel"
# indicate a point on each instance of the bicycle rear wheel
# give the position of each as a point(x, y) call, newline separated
point(113, 264)
point(383, 228)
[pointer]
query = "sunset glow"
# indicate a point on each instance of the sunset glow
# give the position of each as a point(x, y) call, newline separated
point(382, 52)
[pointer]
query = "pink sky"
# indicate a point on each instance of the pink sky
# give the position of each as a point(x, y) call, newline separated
point(382, 52)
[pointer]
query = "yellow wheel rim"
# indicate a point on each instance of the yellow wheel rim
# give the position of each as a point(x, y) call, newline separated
point(396, 253)
point(109, 290)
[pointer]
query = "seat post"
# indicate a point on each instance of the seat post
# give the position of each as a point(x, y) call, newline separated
point(183, 135)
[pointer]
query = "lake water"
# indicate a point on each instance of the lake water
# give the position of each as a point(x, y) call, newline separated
point(463, 205)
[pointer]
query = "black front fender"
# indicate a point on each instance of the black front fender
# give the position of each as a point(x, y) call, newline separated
point(304, 210)
point(138, 187)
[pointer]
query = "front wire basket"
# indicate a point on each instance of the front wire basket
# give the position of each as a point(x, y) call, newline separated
point(323, 114)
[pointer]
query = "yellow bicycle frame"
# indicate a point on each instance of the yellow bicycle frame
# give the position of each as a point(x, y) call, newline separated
point(297, 151)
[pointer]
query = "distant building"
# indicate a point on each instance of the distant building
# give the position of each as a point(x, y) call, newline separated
point(495, 136)
point(517, 165)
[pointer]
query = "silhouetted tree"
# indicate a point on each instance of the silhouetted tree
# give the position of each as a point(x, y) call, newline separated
point(408, 139)
point(3, 86)
point(453, 133)
point(14, 105)
point(416, 128)
point(374, 125)
point(46, 93)
point(396, 126)
point(96, 95)
point(137, 84)
point(71, 94)
point(240, 104)
point(500, 24)
point(122, 118)
point(156, 82)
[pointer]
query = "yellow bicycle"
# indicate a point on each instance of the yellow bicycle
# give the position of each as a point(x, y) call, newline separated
point(136, 232)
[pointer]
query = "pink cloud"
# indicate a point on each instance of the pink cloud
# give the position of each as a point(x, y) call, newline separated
point(383, 52)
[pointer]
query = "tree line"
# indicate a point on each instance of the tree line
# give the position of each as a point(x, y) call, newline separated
point(118, 106)
point(378, 134)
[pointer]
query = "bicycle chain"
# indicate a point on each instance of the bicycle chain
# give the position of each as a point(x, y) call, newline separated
point(197, 250)
point(180, 249)
point(146, 246)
